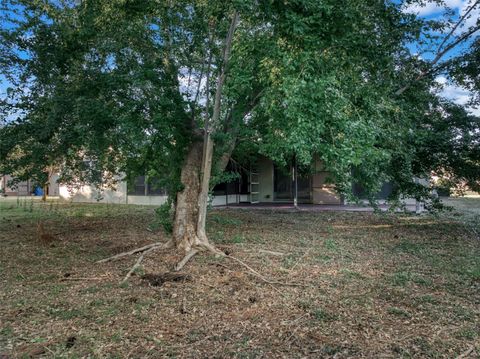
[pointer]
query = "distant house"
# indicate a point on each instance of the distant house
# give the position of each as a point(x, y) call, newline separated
point(21, 189)
point(26, 188)
point(264, 182)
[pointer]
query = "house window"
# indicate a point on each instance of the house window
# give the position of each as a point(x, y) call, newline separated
point(145, 187)
point(220, 189)
point(154, 188)
point(225, 188)
point(138, 187)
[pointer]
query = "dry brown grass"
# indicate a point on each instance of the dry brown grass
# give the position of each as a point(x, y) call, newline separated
point(390, 286)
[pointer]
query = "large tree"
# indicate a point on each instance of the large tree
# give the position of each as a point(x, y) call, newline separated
point(102, 88)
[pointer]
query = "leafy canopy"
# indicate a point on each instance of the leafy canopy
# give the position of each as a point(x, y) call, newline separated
point(101, 88)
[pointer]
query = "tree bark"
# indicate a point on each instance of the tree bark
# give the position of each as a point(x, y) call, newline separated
point(191, 206)
point(186, 209)
point(189, 222)
point(222, 162)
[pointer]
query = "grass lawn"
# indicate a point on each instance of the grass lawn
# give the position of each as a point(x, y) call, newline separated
point(371, 285)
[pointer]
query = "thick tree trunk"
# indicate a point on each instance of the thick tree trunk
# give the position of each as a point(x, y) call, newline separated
point(44, 194)
point(191, 207)
point(186, 209)
point(190, 211)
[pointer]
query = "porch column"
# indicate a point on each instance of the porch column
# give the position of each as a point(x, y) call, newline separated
point(295, 177)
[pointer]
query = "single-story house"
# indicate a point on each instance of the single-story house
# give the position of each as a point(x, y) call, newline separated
point(26, 188)
point(265, 182)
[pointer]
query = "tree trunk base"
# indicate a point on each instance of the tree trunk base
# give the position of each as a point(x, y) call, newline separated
point(200, 244)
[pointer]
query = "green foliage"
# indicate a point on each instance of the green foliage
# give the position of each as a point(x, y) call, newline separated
point(105, 90)
point(97, 84)
point(164, 217)
point(224, 177)
point(465, 70)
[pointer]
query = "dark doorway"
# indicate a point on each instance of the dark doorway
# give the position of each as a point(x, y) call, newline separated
point(304, 186)
point(282, 183)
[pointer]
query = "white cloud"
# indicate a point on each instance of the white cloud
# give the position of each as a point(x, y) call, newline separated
point(473, 16)
point(457, 94)
point(432, 8)
point(475, 111)
point(442, 80)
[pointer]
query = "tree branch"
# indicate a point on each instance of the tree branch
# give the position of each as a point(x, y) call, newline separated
point(221, 79)
point(441, 53)
point(208, 142)
point(458, 24)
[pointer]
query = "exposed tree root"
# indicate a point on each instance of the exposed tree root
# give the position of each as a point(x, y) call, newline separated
point(259, 276)
point(211, 248)
point(199, 243)
point(156, 245)
point(137, 264)
point(202, 245)
point(185, 259)
point(144, 250)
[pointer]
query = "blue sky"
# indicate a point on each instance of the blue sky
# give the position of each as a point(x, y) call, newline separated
point(433, 10)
